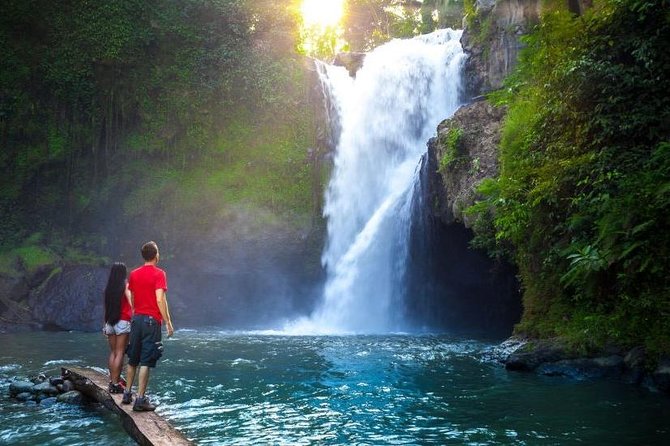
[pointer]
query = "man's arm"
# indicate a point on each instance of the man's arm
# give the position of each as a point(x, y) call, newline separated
point(161, 300)
point(130, 298)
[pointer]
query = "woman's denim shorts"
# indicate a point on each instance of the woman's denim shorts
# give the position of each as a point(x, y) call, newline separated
point(121, 327)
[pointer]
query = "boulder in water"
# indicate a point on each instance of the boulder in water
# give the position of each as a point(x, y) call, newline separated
point(635, 362)
point(56, 381)
point(39, 378)
point(18, 387)
point(45, 388)
point(71, 397)
point(67, 386)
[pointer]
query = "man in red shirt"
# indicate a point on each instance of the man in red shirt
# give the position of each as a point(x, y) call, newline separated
point(148, 285)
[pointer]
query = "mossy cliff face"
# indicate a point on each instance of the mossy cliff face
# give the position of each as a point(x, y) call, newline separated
point(583, 259)
point(593, 272)
point(464, 153)
point(491, 39)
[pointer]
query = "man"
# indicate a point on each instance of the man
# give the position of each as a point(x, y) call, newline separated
point(148, 285)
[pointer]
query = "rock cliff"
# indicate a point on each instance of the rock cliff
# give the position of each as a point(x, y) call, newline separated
point(68, 298)
point(492, 40)
point(464, 152)
point(465, 149)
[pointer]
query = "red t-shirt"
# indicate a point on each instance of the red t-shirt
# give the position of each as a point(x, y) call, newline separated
point(126, 311)
point(143, 282)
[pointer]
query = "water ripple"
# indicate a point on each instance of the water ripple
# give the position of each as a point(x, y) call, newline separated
point(247, 389)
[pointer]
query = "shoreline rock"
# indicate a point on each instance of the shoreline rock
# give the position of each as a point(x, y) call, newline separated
point(552, 357)
point(45, 391)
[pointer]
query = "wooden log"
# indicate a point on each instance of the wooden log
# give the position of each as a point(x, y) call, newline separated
point(146, 428)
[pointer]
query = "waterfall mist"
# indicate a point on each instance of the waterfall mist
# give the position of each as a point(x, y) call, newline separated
point(385, 116)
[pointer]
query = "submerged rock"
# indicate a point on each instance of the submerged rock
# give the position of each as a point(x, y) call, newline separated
point(502, 351)
point(634, 363)
point(635, 358)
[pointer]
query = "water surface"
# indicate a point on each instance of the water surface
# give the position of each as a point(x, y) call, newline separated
point(249, 388)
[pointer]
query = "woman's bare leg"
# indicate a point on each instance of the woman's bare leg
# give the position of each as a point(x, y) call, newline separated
point(119, 351)
point(112, 358)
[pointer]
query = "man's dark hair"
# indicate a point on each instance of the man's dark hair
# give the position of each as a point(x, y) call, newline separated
point(149, 251)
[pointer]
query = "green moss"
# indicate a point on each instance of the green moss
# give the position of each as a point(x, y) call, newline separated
point(469, 12)
point(451, 142)
point(35, 257)
point(79, 257)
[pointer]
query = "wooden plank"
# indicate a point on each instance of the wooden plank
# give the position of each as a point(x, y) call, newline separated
point(147, 428)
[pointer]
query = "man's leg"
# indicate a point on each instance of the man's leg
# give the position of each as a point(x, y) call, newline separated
point(142, 402)
point(150, 337)
point(134, 356)
point(130, 376)
point(143, 381)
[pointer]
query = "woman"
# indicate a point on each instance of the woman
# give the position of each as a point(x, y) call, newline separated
point(118, 311)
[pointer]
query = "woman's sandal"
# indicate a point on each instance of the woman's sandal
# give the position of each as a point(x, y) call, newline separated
point(115, 388)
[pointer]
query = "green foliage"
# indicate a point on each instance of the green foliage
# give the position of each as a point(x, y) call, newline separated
point(127, 108)
point(369, 23)
point(583, 193)
point(452, 148)
point(33, 257)
point(469, 11)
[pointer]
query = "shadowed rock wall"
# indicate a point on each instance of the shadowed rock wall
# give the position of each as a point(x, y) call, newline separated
point(492, 40)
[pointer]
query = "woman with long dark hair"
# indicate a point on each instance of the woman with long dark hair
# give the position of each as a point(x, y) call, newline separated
point(118, 311)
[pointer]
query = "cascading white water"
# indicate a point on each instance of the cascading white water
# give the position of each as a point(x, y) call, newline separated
point(386, 116)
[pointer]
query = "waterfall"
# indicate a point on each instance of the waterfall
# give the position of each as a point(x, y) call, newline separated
point(385, 116)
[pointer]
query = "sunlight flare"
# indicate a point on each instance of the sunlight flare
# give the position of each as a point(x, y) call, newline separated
point(322, 13)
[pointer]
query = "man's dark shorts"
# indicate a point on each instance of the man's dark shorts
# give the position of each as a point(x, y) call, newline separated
point(145, 345)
